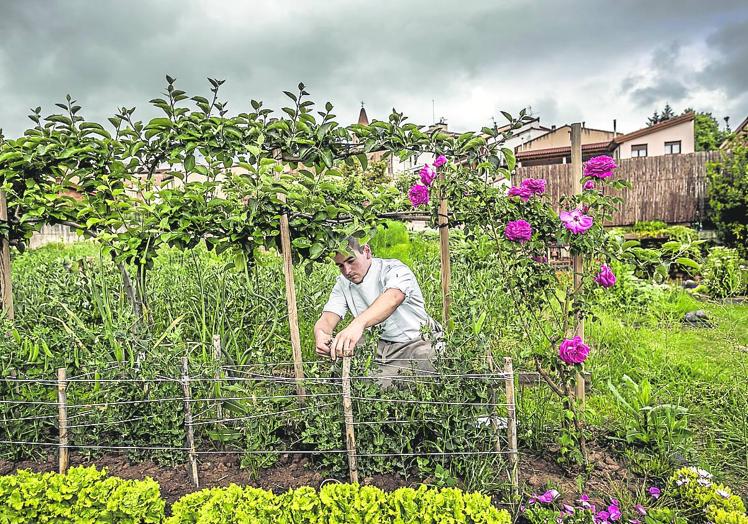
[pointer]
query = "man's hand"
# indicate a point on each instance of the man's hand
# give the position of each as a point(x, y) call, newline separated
point(323, 341)
point(346, 340)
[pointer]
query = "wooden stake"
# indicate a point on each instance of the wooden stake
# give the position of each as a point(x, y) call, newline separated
point(293, 312)
point(6, 284)
point(511, 424)
point(62, 400)
point(188, 423)
point(350, 435)
point(577, 261)
point(219, 373)
point(446, 271)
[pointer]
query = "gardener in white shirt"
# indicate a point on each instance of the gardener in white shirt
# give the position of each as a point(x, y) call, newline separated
point(377, 291)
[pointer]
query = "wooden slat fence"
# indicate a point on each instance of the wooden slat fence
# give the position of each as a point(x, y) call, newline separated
point(670, 188)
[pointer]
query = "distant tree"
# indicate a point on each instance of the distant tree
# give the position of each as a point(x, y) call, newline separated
point(656, 118)
point(707, 133)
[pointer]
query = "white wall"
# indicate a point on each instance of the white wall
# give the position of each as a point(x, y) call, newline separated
point(656, 141)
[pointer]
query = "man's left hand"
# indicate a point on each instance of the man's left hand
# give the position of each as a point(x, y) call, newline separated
point(346, 340)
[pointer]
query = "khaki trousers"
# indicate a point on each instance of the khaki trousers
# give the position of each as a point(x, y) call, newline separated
point(403, 358)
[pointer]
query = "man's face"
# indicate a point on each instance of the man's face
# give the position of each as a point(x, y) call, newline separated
point(354, 265)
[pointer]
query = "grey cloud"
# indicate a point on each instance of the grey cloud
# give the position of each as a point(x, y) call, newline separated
point(389, 53)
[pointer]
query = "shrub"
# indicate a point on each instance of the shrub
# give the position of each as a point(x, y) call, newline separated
point(83, 495)
point(723, 276)
point(336, 503)
point(392, 241)
point(728, 197)
point(696, 490)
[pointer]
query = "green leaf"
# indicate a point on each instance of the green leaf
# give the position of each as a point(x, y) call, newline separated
point(189, 163)
point(683, 261)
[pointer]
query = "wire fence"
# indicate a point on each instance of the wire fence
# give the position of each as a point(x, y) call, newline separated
point(208, 401)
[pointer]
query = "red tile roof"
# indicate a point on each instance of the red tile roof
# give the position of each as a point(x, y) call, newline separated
point(657, 127)
point(595, 147)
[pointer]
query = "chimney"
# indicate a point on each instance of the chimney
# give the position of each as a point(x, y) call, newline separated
point(553, 127)
point(615, 133)
point(582, 123)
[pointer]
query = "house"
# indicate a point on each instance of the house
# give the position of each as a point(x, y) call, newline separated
point(554, 147)
point(671, 137)
point(525, 134)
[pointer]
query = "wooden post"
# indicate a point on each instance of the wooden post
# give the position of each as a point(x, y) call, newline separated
point(293, 312)
point(492, 400)
point(577, 261)
point(188, 423)
point(219, 374)
point(6, 284)
point(446, 271)
point(511, 424)
point(62, 400)
point(350, 434)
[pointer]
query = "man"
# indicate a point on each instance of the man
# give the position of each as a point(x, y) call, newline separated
point(377, 291)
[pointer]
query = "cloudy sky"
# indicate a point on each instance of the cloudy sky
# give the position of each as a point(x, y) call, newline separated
point(569, 60)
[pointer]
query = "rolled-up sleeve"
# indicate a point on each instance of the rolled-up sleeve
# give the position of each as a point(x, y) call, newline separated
point(337, 303)
point(399, 276)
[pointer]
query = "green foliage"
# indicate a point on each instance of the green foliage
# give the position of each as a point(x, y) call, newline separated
point(392, 241)
point(335, 503)
point(82, 495)
point(707, 134)
point(724, 273)
point(697, 491)
point(727, 191)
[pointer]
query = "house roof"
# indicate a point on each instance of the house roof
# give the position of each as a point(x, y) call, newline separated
point(363, 118)
point(565, 126)
point(596, 147)
point(652, 129)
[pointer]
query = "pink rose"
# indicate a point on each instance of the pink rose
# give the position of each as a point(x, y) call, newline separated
point(575, 221)
point(599, 167)
point(535, 185)
point(605, 277)
point(518, 231)
point(440, 161)
point(573, 351)
point(418, 195)
point(427, 175)
point(589, 185)
point(523, 192)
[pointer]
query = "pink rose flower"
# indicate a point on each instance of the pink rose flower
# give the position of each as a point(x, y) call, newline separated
point(522, 192)
point(575, 221)
point(418, 195)
point(427, 175)
point(573, 351)
point(518, 231)
point(599, 167)
point(535, 185)
point(589, 185)
point(605, 277)
point(440, 161)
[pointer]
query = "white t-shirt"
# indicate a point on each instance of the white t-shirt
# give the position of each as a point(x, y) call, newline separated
point(406, 321)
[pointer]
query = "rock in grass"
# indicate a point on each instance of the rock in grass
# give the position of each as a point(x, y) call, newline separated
point(698, 317)
point(690, 284)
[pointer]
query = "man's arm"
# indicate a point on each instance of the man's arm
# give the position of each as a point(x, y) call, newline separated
point(323, 332)
point(378, 312)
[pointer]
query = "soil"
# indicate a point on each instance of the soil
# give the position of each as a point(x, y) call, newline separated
point(293, 471)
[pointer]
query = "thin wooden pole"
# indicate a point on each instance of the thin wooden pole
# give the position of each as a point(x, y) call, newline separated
point(293, 312)
point(492, 400)
point(62, 400)
point(350, 435)
point(188, 423)
point(511, 424)
point(6, 283)
point(219, 374)
point(577, 261)
point(446, 271)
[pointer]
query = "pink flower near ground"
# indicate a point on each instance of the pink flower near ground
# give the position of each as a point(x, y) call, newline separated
point(573, 351)
point(418, 195)
point(575, 221)
point(535, 185)
point(440, 161)
point(518, 231)
point(523, 192)
point(654, 492)
point(427, 175)
point(547, 497)
point(605, 277)
point(589, 185)
point(599, 167)
point(641, 510)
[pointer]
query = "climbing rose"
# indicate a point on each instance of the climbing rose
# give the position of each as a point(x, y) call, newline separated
point(575, 221)
point(427, 175)
point(599, 167)
point(573, 351)
point(440, 161)
point(518, 231)
point(523, 192)
point(418, 195)
point(605, 277)
point(535, 185)
point(589, 185)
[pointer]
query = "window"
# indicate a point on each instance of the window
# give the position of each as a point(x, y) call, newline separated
point(672, 148)
point(639, 150)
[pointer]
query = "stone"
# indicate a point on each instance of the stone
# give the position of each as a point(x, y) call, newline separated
point(690, 284)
